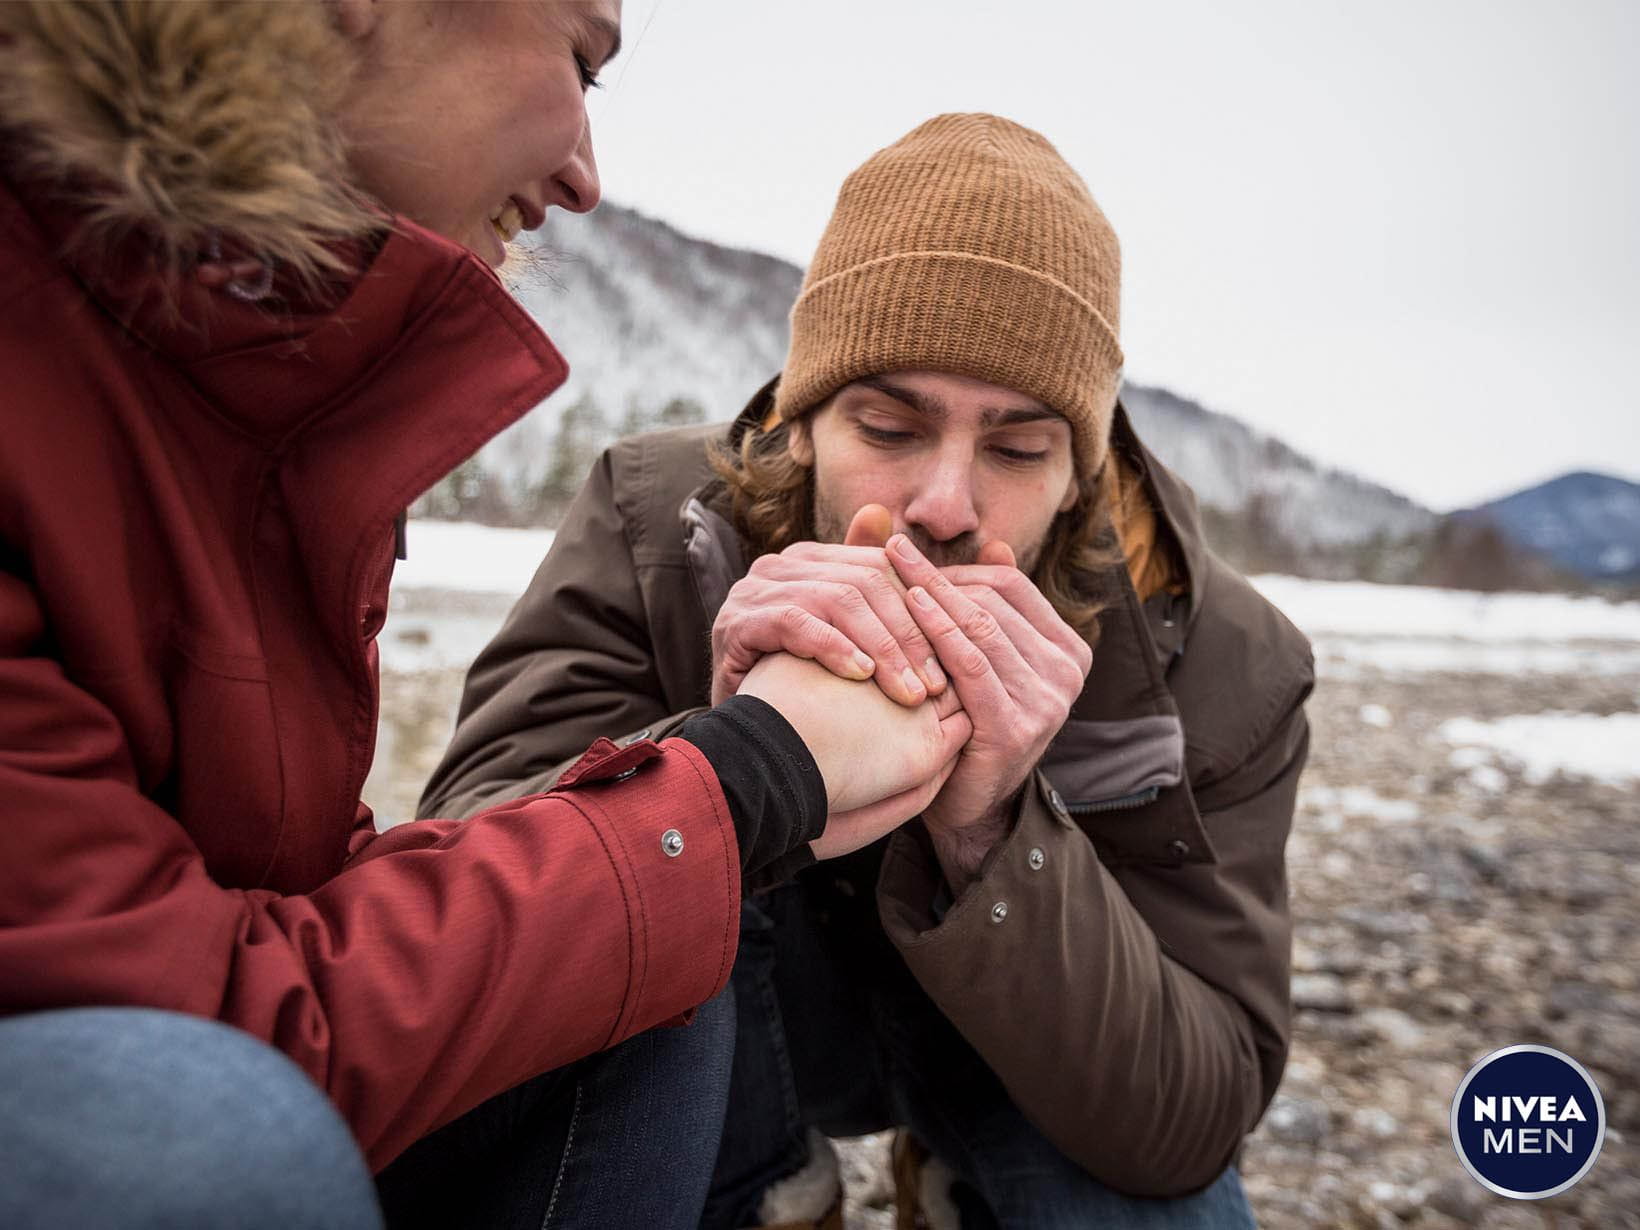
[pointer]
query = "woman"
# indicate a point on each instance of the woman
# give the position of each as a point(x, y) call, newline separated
point(246, 319)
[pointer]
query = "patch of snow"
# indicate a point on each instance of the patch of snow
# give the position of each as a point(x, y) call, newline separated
point(417, 641)
point(1377, 715)
point(1603, 747)
point(1362, 608)
point(1350, 657)
point(1360, 801)
point(457, 555)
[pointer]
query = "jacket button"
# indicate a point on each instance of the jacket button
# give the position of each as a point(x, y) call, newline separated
point(1056, 802)
point(1178, 848)
point(1036, 858)
point(999, 911)
point(672, 843)
point(637, 738)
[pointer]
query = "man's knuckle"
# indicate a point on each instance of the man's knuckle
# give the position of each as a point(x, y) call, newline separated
point(793, 619)
point(979, 624)
point(847, 599)
point(885, 646)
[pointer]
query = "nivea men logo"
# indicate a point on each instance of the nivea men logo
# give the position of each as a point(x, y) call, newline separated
point(1528, 1122)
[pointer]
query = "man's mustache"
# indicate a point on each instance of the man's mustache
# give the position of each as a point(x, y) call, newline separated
point(963, 549)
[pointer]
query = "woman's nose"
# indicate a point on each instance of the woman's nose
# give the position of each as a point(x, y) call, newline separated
point(575, 187)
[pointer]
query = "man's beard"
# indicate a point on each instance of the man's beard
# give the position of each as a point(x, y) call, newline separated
point(830, 527)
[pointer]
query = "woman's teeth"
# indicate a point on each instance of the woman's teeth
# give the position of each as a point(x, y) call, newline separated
point(508, 222)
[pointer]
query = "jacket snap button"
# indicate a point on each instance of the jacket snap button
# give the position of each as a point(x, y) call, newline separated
point(637, 738)
point(999, 911)
point(1036, 858)
point(672, 843)
point(1055, 802)
point(1178, 848)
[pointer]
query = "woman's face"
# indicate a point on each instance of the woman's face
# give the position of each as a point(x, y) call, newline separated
point(470, 116)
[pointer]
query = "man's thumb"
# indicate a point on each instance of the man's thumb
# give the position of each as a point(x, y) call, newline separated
point(996, 552)
point(870, 528)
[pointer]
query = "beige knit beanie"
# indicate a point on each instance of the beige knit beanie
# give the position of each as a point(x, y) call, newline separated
point(967, 246)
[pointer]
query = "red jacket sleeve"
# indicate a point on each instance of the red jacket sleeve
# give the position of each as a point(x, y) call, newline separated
point(444, 965)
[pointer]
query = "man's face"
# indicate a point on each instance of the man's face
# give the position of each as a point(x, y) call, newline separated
point(957, 463)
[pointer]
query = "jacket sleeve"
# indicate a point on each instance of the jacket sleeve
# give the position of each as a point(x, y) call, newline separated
point(572, 663)
point(447, 966)
point(1144, 1059)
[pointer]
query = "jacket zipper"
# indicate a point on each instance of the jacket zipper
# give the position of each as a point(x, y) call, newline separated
point(1137, 799)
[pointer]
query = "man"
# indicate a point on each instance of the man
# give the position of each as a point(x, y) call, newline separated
point(1068, 977)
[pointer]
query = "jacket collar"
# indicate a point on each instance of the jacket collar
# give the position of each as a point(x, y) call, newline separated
point(1175, 505)
point(274, 366)
point(358, 401)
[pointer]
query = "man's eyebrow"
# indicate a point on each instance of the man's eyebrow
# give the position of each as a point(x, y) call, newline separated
point(933, 408)
point(612, 32)
point(929, 407)
point(1009, 418)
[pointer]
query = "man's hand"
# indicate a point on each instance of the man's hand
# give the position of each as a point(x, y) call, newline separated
point(1017, 668)
point(882, 762)
point(841, 606)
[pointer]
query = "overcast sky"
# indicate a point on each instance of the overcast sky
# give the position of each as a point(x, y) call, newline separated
point(1404, 237)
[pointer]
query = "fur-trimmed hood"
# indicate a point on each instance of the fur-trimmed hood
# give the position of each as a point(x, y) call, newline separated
point(197, 123)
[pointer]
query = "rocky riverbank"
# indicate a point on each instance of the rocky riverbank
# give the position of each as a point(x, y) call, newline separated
point(1447, 903)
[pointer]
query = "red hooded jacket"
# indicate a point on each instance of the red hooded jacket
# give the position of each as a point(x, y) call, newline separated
point(197, 500)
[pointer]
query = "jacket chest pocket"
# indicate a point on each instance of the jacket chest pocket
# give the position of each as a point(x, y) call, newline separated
point(1123, 783)
point(225, 785)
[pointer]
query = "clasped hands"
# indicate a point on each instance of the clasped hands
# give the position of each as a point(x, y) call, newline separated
point(971, 673)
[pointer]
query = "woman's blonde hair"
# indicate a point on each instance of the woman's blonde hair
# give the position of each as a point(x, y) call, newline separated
point(772, 506)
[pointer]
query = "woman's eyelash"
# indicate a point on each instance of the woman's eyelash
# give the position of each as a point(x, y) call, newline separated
point(589, 79)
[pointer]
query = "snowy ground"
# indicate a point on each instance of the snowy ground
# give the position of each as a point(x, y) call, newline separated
point(1464, 868)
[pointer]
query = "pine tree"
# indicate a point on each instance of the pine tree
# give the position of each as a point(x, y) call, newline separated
point(583, 432)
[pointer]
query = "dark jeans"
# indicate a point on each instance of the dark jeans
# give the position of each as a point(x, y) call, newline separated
point(858, 1047)
point(624, 1138)
point(133, 1117)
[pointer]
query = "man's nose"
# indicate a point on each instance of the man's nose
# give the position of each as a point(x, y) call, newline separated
point(944, 503)
point(575, 186)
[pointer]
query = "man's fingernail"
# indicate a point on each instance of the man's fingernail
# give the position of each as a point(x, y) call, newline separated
point(903, 548)
point(866, 665)
point(919, 595)
point(912, 683)
point(935, 676)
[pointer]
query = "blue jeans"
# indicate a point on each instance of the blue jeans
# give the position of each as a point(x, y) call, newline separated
point(133, 1117)
point(851, 1045)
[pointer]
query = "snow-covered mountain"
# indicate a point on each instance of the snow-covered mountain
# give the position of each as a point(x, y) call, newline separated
point(1586, 523)
point(1238, 471)
point(648, 318)
point(659, 327)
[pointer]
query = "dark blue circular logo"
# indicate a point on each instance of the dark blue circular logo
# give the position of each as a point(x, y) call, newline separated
point(1528, 1122)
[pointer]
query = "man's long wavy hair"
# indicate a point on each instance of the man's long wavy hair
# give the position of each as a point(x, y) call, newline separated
point(772, 503)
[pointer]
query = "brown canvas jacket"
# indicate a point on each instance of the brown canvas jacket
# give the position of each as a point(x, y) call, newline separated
point(1122, 963)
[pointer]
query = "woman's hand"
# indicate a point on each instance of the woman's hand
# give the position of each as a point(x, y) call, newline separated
point(882, 762)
